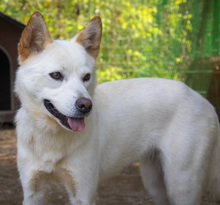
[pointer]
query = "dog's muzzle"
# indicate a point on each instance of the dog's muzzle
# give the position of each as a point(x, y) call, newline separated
point(83, 106)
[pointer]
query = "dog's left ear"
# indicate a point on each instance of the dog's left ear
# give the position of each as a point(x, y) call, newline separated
point(90, 37)
point(34, 38)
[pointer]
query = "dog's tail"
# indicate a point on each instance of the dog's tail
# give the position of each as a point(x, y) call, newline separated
point(214, 177)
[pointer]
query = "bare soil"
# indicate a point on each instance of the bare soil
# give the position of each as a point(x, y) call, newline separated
point(124, 189)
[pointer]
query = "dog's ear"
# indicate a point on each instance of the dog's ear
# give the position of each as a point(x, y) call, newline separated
point(34, 38)
point(90, 37)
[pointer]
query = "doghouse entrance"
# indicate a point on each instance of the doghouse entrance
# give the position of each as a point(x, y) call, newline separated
point(5, 82)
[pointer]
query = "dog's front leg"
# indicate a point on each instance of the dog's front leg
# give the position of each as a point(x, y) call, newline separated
point(81, 192)
point(34, 188)
point(80, 184)
point(77, 200)
point(31, 198)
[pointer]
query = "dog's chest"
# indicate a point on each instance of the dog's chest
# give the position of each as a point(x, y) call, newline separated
point(44, 151)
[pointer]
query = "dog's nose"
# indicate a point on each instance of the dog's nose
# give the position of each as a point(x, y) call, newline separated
point(84, 105)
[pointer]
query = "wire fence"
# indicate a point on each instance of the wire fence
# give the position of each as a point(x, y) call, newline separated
point(174, 39)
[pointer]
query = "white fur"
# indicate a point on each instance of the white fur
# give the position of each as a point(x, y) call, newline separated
point(171, 129)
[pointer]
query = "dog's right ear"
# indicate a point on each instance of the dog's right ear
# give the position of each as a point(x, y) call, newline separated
point(90, 36)
point(34, 38)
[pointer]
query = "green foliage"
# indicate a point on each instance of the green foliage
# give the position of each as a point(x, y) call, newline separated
point(140, 38)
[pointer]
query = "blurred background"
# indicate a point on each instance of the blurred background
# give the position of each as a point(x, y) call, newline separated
point(175, 39)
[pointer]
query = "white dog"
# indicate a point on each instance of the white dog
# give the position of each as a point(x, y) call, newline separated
point(74, 133)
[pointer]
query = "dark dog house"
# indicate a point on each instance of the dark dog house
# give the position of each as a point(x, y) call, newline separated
point(10, 33)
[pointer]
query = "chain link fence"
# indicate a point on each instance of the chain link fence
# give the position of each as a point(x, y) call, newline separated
point(176, 39)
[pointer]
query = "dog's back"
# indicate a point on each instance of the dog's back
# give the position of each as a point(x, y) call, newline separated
point(162, 120)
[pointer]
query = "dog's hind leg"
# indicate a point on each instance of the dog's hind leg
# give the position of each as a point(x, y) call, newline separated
point(183, 186)
point(152, 176)
point(185, 175)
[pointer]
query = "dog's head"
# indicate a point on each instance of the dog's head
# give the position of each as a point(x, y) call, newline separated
point(56, 78)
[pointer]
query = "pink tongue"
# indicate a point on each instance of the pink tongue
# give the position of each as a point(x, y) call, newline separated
point(76, 124)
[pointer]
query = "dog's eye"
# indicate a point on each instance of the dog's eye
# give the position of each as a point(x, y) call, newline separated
point(86, 77)
point(56, 75)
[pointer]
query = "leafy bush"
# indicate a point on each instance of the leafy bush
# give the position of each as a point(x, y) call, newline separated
point(140, 38)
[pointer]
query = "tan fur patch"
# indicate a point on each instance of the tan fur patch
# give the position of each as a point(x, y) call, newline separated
point(38, 180)
point(67, 177)
point(41, 179)
point(32, 141)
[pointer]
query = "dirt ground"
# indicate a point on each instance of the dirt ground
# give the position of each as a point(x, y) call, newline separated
point(124, 189)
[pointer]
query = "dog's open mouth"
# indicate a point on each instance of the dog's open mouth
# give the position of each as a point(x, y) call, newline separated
point(75, 124)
